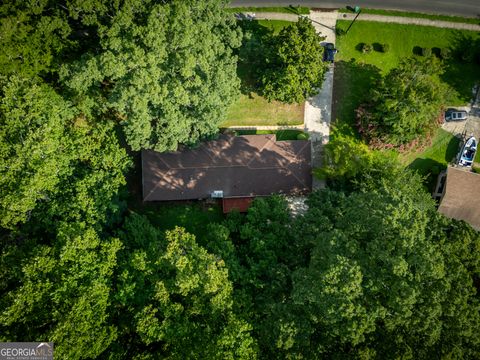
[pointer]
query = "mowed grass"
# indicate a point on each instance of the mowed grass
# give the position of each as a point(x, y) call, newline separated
point(430, 161)
point(443, 150)
point(402, 40)
point(251, 108)
point(254, 109)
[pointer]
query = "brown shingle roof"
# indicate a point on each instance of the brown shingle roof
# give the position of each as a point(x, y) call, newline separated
point(461, 199)
point(246, 165)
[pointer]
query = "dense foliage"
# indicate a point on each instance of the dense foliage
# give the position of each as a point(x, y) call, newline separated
point(294, 67)
point(371, 270)
point(406, 104)
point(166, 69)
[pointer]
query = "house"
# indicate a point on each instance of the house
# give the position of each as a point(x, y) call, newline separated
point(233, 168)
point(459, 194)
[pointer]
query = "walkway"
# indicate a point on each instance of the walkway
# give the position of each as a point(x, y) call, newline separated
point(318, 109)
point(368, 17)
point(410, 21)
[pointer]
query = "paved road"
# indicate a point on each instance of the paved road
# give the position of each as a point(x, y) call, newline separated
point(469, 8)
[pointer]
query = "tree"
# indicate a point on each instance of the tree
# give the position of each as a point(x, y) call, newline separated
point(406, 104)
point(166, 69)
point(388, 286)
point(60, 293)
point(346, 159)
point(46, 144)
point(176, 298)
point(34, 146)
point(34, 35)
point(294, 67)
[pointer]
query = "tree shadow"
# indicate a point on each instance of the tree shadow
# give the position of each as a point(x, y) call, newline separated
point(351, 85)
point(453, 148)
point(429, 169)
point(251, 55)
point(417, 50)
point(437, 52)
point(377, 47)
point(359, 46)
point(462, 66)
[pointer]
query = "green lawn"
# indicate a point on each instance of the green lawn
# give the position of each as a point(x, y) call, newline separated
point(287, 134)
point(356, 73)
point(443, 150)
point(251, 108)
point(430, 161)
point(297, 10)
point(458, 19)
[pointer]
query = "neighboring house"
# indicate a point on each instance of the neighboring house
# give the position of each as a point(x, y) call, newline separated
point(459, 194)
point(233, 168)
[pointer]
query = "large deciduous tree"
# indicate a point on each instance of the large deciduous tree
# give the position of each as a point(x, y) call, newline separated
point(406, 104)
point(294, 66)
point(175, 298)
point(54, 163)
point(59, 292)
point(34, 34)
point(34, 146)
point(166, 69)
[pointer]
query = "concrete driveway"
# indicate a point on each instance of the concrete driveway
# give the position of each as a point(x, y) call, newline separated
point(318, 109)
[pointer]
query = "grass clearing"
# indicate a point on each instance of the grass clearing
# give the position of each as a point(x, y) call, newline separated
point(457, 19)
point(251, 108)
point(296, 10)
point(254, 109)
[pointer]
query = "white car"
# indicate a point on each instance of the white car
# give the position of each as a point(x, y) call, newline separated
point(455, 115)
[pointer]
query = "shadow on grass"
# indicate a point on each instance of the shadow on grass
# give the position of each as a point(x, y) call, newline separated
point(377, 47)
point(452, 149)
point(251, 55)
point(417, 50)
point(462, 67)
point(429, 169)
point(351, 85)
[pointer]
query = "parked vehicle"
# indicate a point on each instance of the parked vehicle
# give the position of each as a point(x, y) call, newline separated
point(329, 52)
point(468, 152)
point(455, 115)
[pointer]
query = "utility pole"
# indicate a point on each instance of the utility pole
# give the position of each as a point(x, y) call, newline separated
point(357, 11)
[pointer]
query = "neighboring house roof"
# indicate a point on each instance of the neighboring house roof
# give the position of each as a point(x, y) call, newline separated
point(246, 165)
point(461, 199)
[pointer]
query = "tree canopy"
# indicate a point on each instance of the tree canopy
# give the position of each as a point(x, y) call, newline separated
point(166, 69)
point(294, 69)
point(406, 104)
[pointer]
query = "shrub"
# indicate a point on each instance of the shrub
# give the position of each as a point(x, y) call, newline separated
point(426, 51)
point(445, 53)
point(366, 48)
point(340, 32)
point(384, 48)
point(302, 136)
